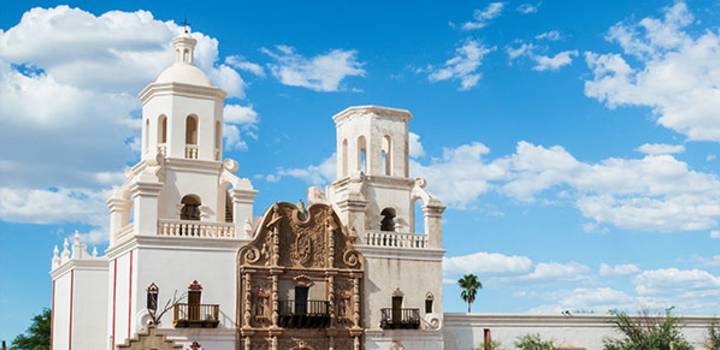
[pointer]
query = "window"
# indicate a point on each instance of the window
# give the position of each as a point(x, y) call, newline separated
point(145, 135)
point(152, 297)
point(162, 129)
point(194, 297)
point(388, 219)
point(429, 303)
point(191, 130)
point(190, 208)
point(344, 158)
point(301, 300)
point(386, 155)
point(362, 154)
point(218, 140)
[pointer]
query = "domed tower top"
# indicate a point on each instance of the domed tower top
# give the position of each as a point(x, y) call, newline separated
point(184, 69)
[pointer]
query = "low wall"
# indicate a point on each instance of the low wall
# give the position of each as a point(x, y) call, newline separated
point(465, 331)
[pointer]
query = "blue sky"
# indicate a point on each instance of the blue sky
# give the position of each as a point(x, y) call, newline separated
point(575, 143)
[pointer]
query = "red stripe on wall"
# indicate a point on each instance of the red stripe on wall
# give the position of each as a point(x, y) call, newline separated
point(52, 315)
point(72, 290)
point(112, 331)
point(130, 292)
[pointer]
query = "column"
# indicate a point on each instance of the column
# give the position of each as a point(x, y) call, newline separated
point(242, 201)
point(433, 224)
point(144, 194)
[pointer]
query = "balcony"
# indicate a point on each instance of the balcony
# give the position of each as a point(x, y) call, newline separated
point(396, 239)
point(195, 229)
point(307, 314)
point(196, 315)
point(400, 319)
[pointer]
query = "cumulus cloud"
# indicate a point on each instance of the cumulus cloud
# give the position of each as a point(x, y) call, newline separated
point(715, 234)
point(319, 174)
point(660, 148)
point(482, 17)
point(528, 8)
point(618, 270)
point(463, 66)
point(63, 205)
point(324, 72)
point(672, 72)
point(586, 300)
point(672, 280)
point(240, 123)
point(241, 63)
point(416, 149)
point(553, 35)
point(542, 62)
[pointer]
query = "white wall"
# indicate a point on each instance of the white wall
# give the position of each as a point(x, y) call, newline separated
point(89, 314)
point(61, 312)
point(462, 332)
point(120, 317)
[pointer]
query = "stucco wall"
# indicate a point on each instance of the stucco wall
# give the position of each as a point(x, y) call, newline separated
point(463, 331)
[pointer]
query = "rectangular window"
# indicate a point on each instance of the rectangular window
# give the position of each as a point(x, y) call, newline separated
point(428, 306)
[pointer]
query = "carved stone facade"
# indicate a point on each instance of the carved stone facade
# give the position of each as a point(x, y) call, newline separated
point(296, 251)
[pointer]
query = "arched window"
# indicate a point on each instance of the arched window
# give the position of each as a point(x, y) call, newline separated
point(190, 208)
point(145, 136)
point(344, 158)
point(218, 140)
point(429, 303)
point(162, 129)
point(388, 219)
point(191, 130)
point(362, 154)
point(418, 223)
point(386, 155)
point(152, 297)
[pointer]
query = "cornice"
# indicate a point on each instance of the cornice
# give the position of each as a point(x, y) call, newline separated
point(176, 243)
point(540, 320)
point(180, 89)
point(193, 165)
point(95, 264)
point(349, 112)
point(420, 254)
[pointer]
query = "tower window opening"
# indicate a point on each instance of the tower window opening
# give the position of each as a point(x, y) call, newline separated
point(152, 297)
point(386, 155)
point(228, 207)
point(388, 219)
point(191, 130)
point(190, 208)
point(344, 159)
point(162, 129)
point(145, 135)
point(362, 154)
point(186, 56)
point(218, 140)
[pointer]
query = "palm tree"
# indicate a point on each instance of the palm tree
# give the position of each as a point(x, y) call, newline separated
point(470, 284)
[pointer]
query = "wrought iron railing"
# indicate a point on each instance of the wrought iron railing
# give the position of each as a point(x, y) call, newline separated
point(304, 314)
point(400, 318)
point(196, 315)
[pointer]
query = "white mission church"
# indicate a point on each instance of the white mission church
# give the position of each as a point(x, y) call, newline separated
point(348, 271)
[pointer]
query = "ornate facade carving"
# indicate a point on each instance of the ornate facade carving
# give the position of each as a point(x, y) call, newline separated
point(299, 248)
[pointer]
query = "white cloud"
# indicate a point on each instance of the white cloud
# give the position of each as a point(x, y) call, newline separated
point(660, 148)
point(482, 17)
point(552, 35)
point(320, 174)
point(63, 205)
point(713, 261)
point(618, 270)
point(241, 63)
point(554, 63)
point(656, 192)
point(484, 263)
point(463, 66)
point(542, 62)
point(552, 271)
point(586, 300)
point(673, 73)
point(416, 147)
point(715, 234)
point(671, 281)
point(324, 72)
point(528, 8)
point(710, 157)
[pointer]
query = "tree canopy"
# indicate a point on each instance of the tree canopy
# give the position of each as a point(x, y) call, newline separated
point(37, 336)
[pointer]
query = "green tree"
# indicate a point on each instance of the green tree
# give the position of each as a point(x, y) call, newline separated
point(470, 284)
point(645, 332)
point(534, 342)
point(37, 336)
point(713, 341)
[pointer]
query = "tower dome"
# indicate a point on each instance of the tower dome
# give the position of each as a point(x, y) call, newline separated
point(184, 70)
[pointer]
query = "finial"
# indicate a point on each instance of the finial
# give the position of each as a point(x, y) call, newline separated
point(56, 257)
point(76, 246)
point(248, 228)
point(94, 252)
point(65, 252)
point(186, 24)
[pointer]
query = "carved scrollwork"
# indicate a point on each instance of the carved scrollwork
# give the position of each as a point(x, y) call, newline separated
point(351, 258)
point(251, 255)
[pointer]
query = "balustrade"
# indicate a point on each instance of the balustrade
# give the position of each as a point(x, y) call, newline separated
point(199, 229)
point(395, 239)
